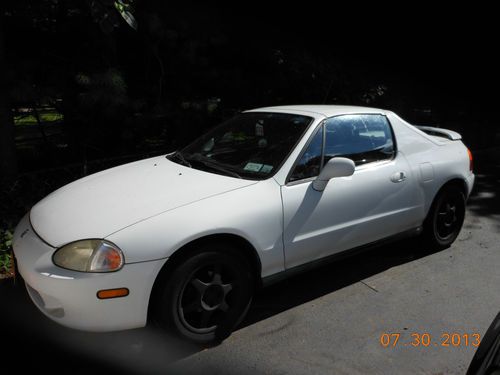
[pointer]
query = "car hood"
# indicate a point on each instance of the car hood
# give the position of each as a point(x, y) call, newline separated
point(101, 204)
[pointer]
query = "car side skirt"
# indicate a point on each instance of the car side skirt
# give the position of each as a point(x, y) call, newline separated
point(277, 277)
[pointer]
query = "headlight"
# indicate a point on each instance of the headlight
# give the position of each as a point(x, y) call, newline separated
point(89, 256)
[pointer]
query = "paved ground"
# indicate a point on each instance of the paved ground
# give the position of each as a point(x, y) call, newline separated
point(326, 321)
point(453, 291)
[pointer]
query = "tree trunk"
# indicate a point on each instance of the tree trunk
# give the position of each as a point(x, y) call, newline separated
point(8, 164)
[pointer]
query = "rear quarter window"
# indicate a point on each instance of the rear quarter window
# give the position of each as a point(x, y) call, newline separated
point(362, 138)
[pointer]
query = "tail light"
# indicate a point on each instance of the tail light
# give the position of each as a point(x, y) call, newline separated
point(471, 163)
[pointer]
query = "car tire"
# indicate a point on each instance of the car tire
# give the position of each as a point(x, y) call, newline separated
point(207, 295)
point(445, 218)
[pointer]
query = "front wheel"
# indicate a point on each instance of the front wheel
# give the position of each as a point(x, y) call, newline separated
point(207, 295)
point(445, 218)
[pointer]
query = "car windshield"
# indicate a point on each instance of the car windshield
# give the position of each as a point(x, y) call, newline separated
point(251, 145)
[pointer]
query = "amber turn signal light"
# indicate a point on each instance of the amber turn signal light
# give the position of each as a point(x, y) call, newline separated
point(112, 293)
point(471, 162)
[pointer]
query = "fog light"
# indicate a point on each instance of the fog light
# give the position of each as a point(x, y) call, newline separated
point(112, 293)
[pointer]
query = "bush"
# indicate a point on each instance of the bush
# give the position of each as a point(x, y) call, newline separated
point(6, 258)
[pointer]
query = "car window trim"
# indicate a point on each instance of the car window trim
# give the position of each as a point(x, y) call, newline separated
point(304, 149)
point(321, 124)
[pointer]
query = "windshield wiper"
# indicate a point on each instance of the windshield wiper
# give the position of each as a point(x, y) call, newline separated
point(221, 169)
point(178, 155)
point(207, 162)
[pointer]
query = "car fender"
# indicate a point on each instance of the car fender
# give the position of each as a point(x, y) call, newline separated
point(436, 163)
point(253, 213)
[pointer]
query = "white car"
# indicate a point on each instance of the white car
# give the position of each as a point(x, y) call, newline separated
point(186, 238)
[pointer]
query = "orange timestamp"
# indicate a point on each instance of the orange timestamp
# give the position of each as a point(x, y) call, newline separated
point(427, 340)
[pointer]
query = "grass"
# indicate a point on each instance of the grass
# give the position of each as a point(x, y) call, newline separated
point(46, 116)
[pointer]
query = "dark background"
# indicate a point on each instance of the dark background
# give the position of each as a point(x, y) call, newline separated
point(119, 94)
point(81, 90)
point(121, 91)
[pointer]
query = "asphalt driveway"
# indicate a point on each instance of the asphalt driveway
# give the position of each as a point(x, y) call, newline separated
point(453, 291)
point(329, 320)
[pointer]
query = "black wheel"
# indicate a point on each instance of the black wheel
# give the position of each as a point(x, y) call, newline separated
point(445, 218)
point(207, 295)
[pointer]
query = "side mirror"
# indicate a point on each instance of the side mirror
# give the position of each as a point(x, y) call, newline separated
point(336, 167)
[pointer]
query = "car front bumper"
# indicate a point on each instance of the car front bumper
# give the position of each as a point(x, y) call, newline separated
point(70, 297)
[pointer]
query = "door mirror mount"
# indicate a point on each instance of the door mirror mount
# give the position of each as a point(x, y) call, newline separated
point(336, 167)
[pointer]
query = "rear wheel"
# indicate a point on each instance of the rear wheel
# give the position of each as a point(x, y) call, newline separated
point(445, 218)
point(207, 295)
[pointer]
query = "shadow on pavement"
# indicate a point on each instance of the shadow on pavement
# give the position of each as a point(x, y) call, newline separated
point(148, 350)
point(26, 333)
point(326, 279)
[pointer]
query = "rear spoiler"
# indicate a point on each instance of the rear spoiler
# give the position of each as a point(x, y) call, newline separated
point(439, 132)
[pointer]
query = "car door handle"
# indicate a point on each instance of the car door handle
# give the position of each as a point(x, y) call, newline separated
point(398, 177)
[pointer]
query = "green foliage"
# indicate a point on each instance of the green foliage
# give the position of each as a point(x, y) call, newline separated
point(125, 9)
point(45, 117)
point(107, 14)
point(106, 90)
point(6, 261)
point(5, 240)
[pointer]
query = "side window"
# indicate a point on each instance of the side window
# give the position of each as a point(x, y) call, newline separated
point(310, 162)
point(362, 138)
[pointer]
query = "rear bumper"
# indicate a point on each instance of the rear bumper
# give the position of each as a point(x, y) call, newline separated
point(69, 297)
point(470, 183)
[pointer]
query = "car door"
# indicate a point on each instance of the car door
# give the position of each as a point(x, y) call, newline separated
point(377, 201)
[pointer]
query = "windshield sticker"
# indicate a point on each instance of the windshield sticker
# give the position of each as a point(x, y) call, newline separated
point(266, 168)
point(254, 167)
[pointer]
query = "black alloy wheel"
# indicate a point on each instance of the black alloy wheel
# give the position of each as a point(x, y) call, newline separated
point(207, 295)
point(445, 218)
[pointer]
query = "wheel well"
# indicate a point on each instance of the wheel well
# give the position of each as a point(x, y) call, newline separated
point(458, 182)
point(245, 248)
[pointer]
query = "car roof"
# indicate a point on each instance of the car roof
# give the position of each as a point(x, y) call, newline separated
point(324, 110)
